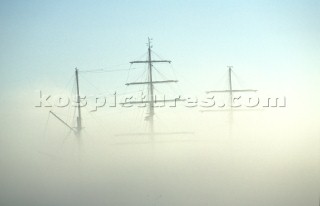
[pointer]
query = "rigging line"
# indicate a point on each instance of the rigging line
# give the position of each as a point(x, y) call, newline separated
point(105, 67)
point(116, 65)
point(157, 55)
point(142, 110)
point(163, 93)
point(176, 77)
point(68, 82)
point(117, 94)
point(68, 111)
point(128, 74)
point(173, 71)
point(223, 79)
point(127, 78)
point(240, 81)
point(169, 85)
point(120, 94)
point(140, 57)
point(158, 90)
point(180, 77)
point(110, 94)
point(141, 75)
point(172, 89)
point(81, 76)
point(130, 68)
point(105, 70)
point(162, 75)
point(129, 71)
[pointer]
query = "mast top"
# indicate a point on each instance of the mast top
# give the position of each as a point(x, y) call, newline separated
point(149, 43)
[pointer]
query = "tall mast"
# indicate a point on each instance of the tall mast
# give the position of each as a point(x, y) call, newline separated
point(79, 123)
point(150, 89)
point(150, 84)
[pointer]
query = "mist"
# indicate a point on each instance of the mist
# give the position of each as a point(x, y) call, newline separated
point(263, 158)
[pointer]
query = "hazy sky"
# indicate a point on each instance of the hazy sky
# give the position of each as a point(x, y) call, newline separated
point(272, 40)
point(274, 47)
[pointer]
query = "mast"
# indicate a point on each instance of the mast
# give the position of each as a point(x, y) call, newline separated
point(231, 91)
point(79, 121)
point(151, 100)
point(77, 129)
point(150, 89)
point(230, 86)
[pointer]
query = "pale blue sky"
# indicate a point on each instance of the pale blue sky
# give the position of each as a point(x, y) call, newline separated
point(272, 40)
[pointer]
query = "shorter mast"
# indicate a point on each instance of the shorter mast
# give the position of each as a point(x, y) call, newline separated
point(230, 86)
point(230, 90)
point(77, 129)
point(79, 120)
point(231, 98)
